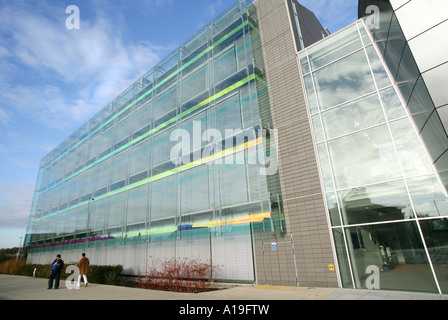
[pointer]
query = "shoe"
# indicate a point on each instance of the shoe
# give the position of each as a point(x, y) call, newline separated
point(86, 284)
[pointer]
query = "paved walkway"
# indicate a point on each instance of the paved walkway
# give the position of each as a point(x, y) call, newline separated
point(28, 288)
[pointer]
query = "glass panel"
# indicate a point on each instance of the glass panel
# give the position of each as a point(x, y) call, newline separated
point(442, 168)
point(233, 182)
point(195, 190)
point(337, 46)
point(365, 38)
point(137, 205)
point(379, 71)
point(119, 168)
point(396, 253)
point(139, 158)
point(363, 158)
point(165, 103)
point(116, 210)
point(392, 104)
point(325, 167)
point(317, 126)
point(343, 261)
point(356, 115)
point(225, 65)
point(163, 194)
point(332, 203)
point(435, 136)
point(420, 104)
point(436, 238)
point(193, 85)
point(122, 129)
point(408, 73)
point(311, 96)
point(102, 175)
point(375, 203)
point(304, 63)
point(162, 148)
point(394, 46)
point(228, 114)
point(141, 118)
point(412, 155)
point(98, 209)
point(428, 196)
point(344, 80)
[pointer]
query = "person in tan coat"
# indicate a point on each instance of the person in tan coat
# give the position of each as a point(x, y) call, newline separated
point(83, 266)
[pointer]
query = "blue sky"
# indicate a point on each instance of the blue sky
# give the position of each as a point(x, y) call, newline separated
point(52, 79)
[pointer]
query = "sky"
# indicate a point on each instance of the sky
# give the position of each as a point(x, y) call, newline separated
point(54, 79)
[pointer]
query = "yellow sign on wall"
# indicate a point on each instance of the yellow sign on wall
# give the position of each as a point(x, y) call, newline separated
point(331, 267)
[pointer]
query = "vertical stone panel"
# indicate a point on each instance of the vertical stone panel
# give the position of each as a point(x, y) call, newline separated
point(305, 248)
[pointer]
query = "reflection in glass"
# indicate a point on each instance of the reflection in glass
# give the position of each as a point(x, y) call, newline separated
point(225, 65)
point(325, 167)
point(435, 233)
point(312, 102)
point(420, 104)
point(304, 63)
point(392, 104)
point(408, 73)
point(442, 167)
point(194, 84)
point(165, 103)
point(412, 155)
point(353, 116)
point(195, 189)
point(394, 45)
point(363, 158)
point(333, 208)
point(396, 249)
point(435, 137)
point(365, 37)
point(335, 47)
point(380, 74)
point(375, 203)
point(318, 130)
point(428, 196)
point(343, 261)
point(343, 80)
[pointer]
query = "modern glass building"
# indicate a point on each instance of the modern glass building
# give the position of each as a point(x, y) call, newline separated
point(278, 152)
point(386, 201)
point(173, 167)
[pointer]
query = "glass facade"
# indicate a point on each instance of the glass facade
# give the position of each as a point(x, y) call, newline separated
point(181, 164)
point(392, 44)
point(386, 202)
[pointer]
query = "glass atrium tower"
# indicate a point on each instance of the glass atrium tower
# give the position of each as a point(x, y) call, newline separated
point(385, 194)
point(278, 152)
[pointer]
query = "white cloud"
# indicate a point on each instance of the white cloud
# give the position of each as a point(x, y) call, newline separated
point(95, 63)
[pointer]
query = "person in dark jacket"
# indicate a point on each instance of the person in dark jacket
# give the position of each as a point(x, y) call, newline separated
point(56, 268)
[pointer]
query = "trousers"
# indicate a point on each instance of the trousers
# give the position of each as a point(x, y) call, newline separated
point(84, 276)
point(54, 276)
